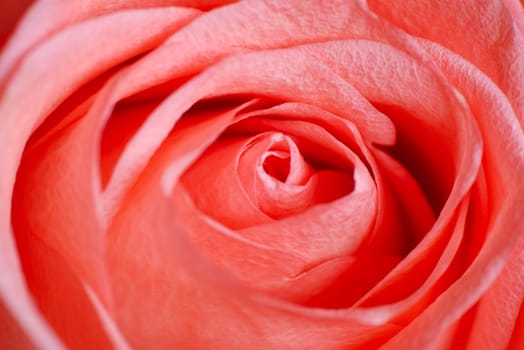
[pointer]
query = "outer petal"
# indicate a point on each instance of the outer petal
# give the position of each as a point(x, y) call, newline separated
point(48, 17)
point(505, 190)
point(484, 33)
point(20, 119)
point(59, 294)
point(497, 313)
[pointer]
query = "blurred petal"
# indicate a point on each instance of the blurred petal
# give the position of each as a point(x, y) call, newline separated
point(59, 294)
point(51, 166)
point(516, 9)
point(10, 14)
point(13, 335)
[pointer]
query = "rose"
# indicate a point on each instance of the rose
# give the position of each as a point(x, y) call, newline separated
point(113, 252)
point(314, 175)
point(458, 279)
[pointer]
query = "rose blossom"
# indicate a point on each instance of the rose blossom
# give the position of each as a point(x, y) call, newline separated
point(309, 174)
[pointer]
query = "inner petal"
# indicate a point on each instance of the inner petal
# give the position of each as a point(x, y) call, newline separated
point(217, 190)
point(284, 162)
point(282, 181)
point(276, 164)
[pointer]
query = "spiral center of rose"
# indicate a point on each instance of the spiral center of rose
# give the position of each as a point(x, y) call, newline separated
point(275, 176)
point(282, 162)
point(276, 164)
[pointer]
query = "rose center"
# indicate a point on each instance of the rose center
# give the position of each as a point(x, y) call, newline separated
point(259, 178)
point(277, 165)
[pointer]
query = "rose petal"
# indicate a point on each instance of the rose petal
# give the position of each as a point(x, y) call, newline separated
point(517, 340)
point(498, 309)
point(456, 300)
point(223, 186)
point(56, 288)
point(405, 205)
point(22, 310)
point(517, 12)
point(496, 120)
point(21, 119)
point(10, 14)
point(502, 135)
point(45, 18)
point(491, 108)
point(467, 173)
point(484, 34)
point(438, 116)
point(185, 87)
point(126, 118)
point(14, 336)
point(351, 281)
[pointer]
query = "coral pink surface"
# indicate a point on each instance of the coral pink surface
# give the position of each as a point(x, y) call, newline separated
point(262, 174)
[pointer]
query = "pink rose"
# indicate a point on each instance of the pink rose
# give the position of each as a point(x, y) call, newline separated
point(308, 174)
